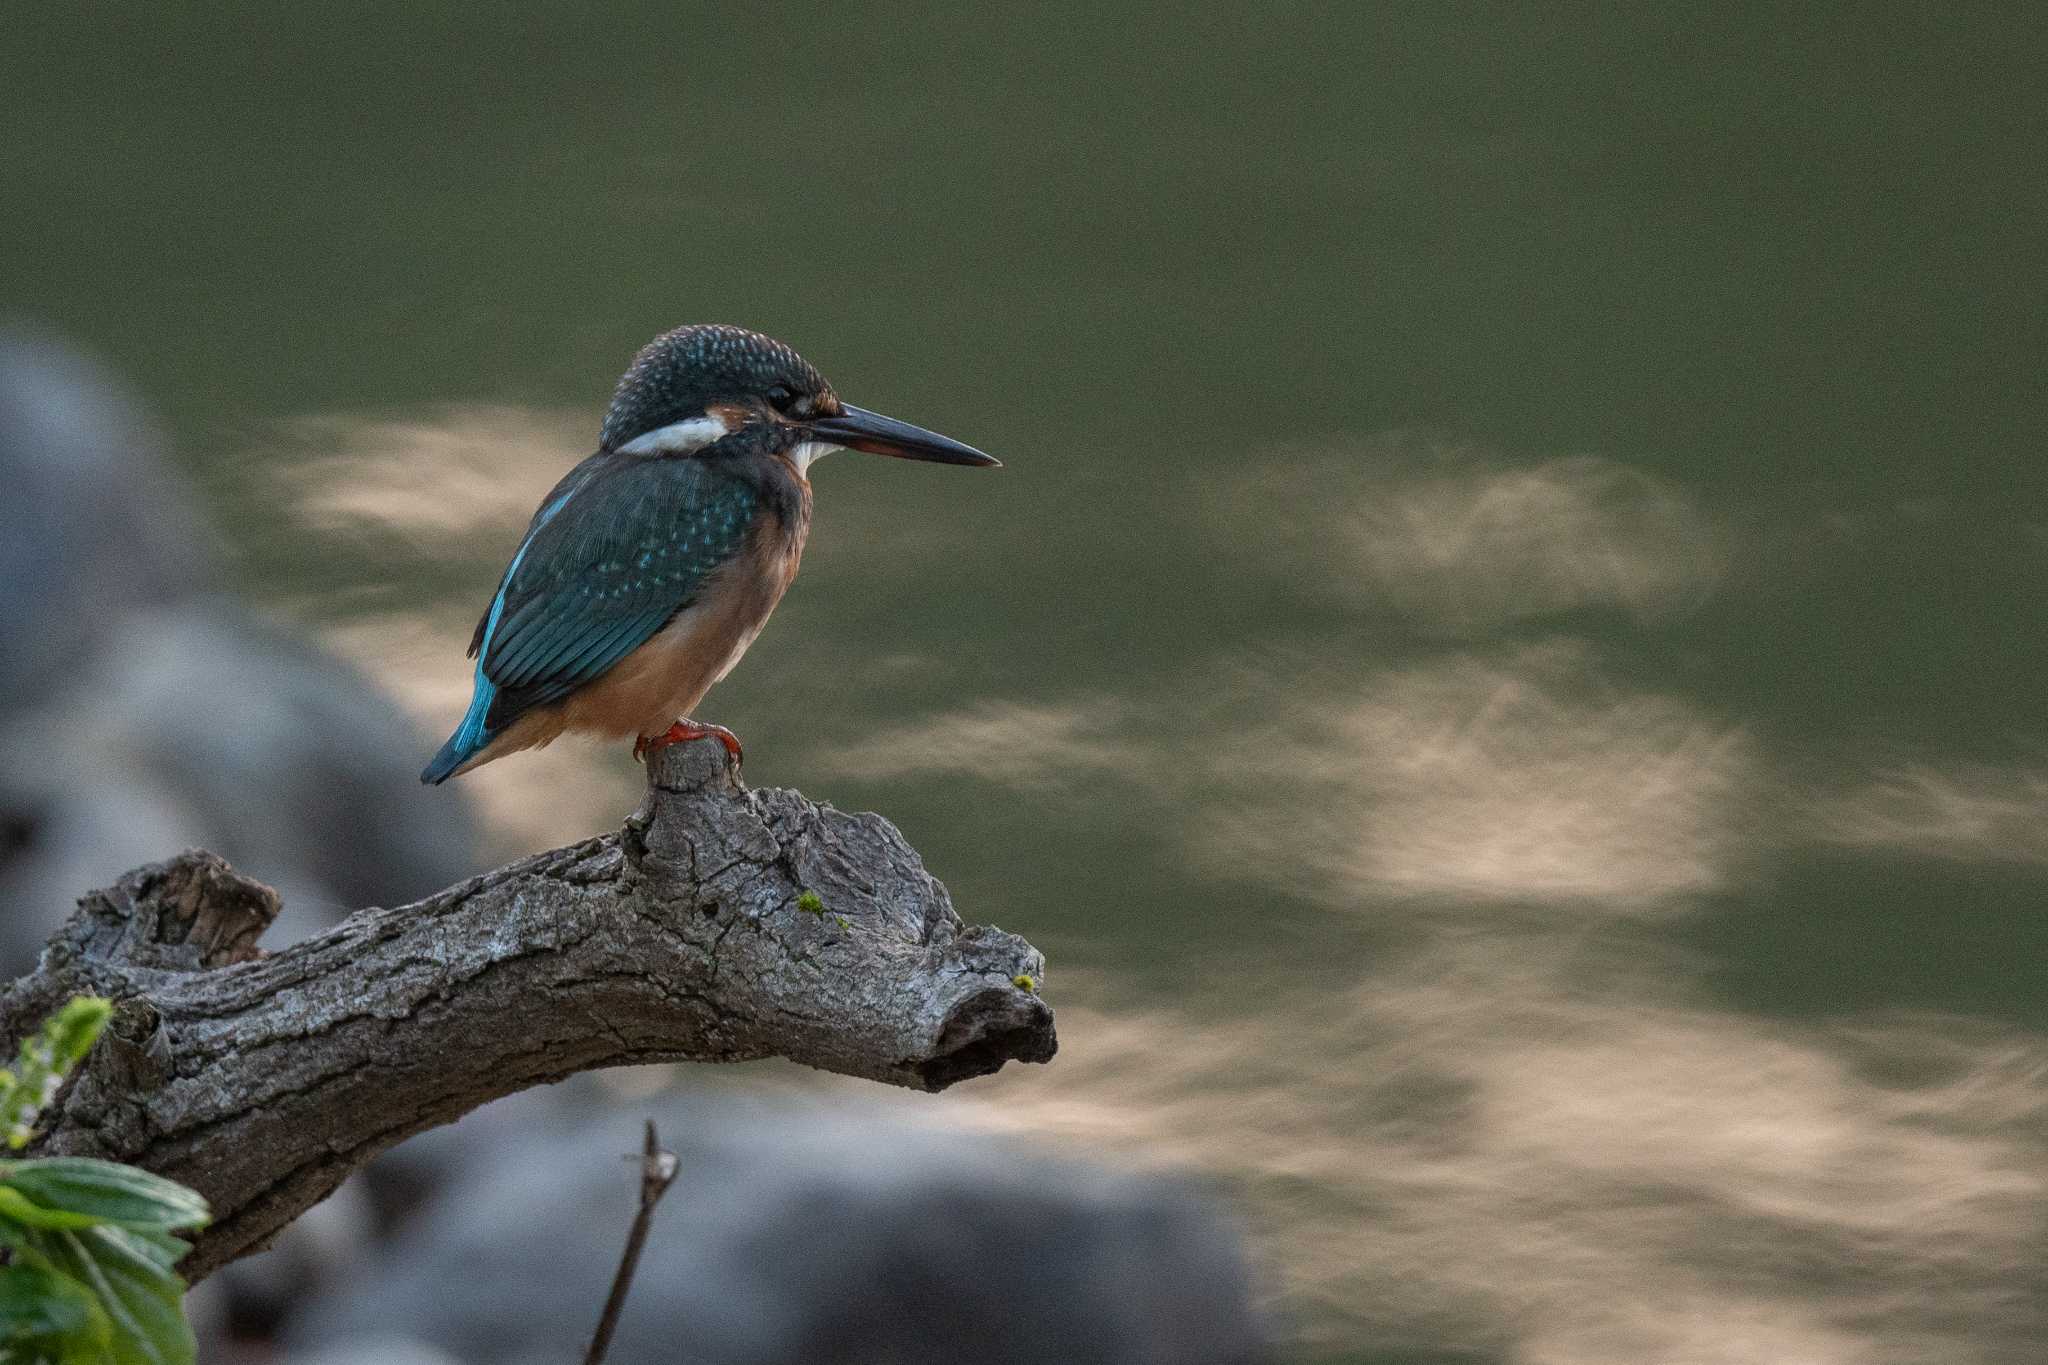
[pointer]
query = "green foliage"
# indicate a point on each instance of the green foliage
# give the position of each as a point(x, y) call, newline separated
point(89, 1278)
point(1026, 982)
point(69, 1187)
point(811, 903)
point(40, 1309)
point(46, 1057)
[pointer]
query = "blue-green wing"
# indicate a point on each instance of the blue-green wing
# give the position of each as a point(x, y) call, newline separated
point(629, 546)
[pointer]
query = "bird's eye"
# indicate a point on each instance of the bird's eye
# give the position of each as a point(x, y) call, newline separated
point(780, 397)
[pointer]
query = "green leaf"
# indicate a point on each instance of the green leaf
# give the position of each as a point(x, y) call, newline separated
point(21, 1209)
point(74, 1029)
point(46, 1315)
point(46, 1057)
point(38, 1301)
point(106, 1191)
point(90, 1278)
point(139, 1259)
point(143, 1301)
point(160, 1247)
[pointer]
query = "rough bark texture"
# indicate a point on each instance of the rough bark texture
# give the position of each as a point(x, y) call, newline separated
point(262, 1080)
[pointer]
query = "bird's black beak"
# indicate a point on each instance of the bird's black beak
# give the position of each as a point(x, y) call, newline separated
point(858, 429)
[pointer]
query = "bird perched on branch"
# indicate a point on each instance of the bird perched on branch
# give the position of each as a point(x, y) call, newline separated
point(652, 565)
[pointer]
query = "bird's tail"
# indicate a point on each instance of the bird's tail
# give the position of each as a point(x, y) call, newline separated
point(467, 742)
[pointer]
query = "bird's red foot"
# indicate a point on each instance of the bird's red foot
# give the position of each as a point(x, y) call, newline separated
point(683, 731)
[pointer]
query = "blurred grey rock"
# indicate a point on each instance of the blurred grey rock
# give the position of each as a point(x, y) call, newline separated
point(798, 1232)
point(330, 1244)
point(94, 524)
point(380, 1349)
point(140, 715)
point(198, 726)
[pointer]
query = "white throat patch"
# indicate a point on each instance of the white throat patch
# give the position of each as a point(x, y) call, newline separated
point(804, 454)
point(678, 438)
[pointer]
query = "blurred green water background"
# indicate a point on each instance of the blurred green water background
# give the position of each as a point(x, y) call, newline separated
point(1503, 670)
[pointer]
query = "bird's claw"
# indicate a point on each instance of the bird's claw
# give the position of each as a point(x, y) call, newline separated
point(685, 730)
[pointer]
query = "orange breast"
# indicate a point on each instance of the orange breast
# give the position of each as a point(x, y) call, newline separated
point(665, 679)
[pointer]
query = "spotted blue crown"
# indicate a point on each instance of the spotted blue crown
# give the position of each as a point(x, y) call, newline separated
point(678, 374)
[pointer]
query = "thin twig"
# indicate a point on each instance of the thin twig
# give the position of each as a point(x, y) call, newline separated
point(657, 1173)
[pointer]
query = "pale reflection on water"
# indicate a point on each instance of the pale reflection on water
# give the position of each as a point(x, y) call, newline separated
point(458, 470)
point(1523, 775)
point(1008, 742)
point(1466, 541)
point(1967, 812)
point(1518, 1124)
point(1474, 1149)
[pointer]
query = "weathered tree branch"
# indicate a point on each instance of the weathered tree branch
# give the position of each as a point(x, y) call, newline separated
point(263, 1080)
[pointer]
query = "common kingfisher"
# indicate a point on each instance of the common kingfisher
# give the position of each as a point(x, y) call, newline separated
point(654, 563)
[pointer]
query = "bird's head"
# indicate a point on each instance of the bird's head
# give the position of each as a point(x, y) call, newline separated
point(692, 388)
